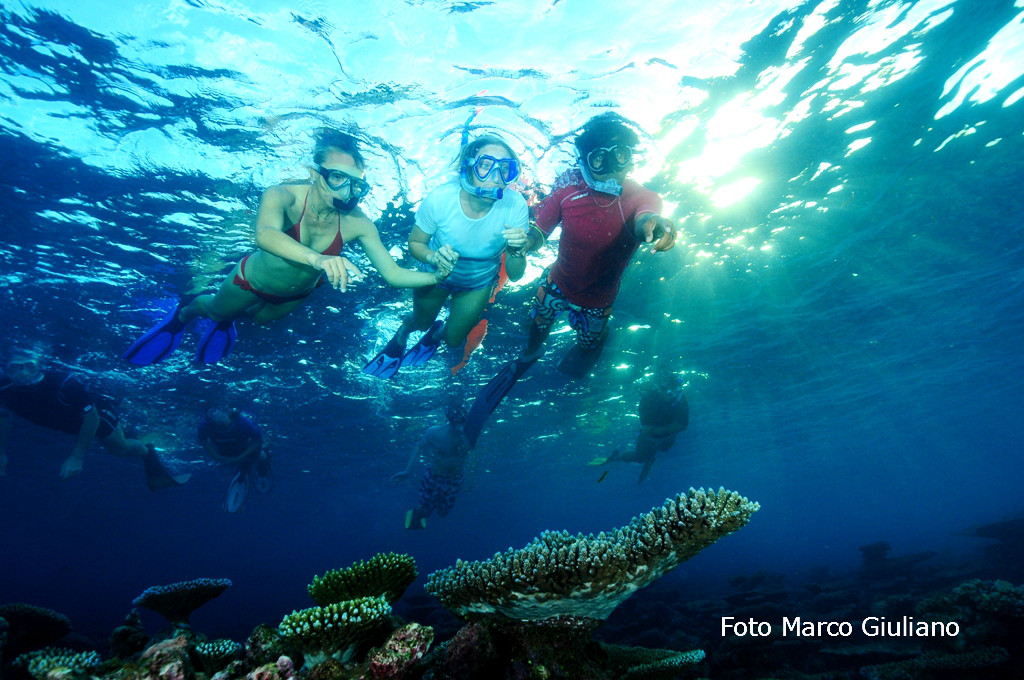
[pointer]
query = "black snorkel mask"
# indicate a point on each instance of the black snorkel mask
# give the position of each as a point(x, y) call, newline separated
point(337, 180)
point(605, 186)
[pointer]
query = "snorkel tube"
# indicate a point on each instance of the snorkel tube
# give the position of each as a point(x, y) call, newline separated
point(346, 205)
point(607, 186)
point(493, 193)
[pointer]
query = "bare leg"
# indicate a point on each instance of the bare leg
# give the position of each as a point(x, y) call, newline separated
point(426, 304)
point(466, 309)
point(229, 302)
point(119, 445)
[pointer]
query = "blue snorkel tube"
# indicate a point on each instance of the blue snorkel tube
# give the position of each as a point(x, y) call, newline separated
point(493, 193)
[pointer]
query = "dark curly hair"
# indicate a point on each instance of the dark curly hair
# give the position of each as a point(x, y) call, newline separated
point(601, 129)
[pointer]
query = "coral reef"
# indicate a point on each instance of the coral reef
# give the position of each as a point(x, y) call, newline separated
point(386, 574)
point(177, 601)
point(562, 575)
point(560, 647)
point(168, 660)
point(977, 663)
point(129, 638)
point(403, 650)
point(265, 645)
point(336, 627)
point(997, 597)
point(30, 627)
point(66, 663)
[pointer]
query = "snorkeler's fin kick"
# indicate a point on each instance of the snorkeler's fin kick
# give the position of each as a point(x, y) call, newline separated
point(238, 490)
point(158, 343)
point(388, 360)
point(492, 394)
point(393, 356)
point(216, 343)
point(157, 476)
point(421, 352)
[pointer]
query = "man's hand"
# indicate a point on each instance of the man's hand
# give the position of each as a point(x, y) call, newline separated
point(71, 467)
point(444, 258)
point(660, 231)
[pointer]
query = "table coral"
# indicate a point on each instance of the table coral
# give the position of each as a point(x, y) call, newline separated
point(386, 574)
point(177, 601)
point(31, 627)
point(563, 575)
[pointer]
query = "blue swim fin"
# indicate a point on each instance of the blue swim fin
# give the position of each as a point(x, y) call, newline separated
point(421, 352)
point(216, 343)
point(388, 360)
point(158, 342)
point(492, 394)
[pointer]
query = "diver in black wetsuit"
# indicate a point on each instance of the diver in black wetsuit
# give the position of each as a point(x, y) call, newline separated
point(58, 401)
point(233, 439)
point(664, 413)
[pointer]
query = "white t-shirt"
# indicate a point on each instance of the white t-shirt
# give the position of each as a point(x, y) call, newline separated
point(478, 242)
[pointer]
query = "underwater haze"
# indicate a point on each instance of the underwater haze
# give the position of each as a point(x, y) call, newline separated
point(845, 302)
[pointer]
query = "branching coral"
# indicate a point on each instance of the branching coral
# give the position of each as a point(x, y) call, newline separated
point(336, 626)
point(177, 601)
point(562, 575)
point(636, 663)
point(387, 574)
point(215, 655)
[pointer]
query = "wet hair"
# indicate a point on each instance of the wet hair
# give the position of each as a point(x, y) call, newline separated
point(328, 140)
point(473, 148)
point(601, 129)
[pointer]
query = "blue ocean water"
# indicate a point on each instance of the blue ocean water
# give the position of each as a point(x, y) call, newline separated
point(845, 304)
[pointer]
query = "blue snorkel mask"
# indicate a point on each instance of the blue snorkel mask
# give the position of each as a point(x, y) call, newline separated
point(485, 166)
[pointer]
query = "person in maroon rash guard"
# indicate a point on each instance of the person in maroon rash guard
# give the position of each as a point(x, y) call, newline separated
point(604, 218)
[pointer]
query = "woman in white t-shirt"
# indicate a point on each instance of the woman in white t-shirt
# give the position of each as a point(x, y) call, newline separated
point(466, 225)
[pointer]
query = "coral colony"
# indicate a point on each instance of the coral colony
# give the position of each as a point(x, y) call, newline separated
point(538, 604)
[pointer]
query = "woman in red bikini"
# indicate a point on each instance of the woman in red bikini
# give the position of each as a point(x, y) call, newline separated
point(300, 231)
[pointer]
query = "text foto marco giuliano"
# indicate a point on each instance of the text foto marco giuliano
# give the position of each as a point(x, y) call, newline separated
point(872, 626)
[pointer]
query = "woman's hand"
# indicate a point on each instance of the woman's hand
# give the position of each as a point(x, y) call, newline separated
point(444, 269)
point(515, 241)
point(339, 270)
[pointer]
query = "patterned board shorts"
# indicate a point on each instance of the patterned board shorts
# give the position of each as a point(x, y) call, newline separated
point(438, 492)
point(588, 322)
